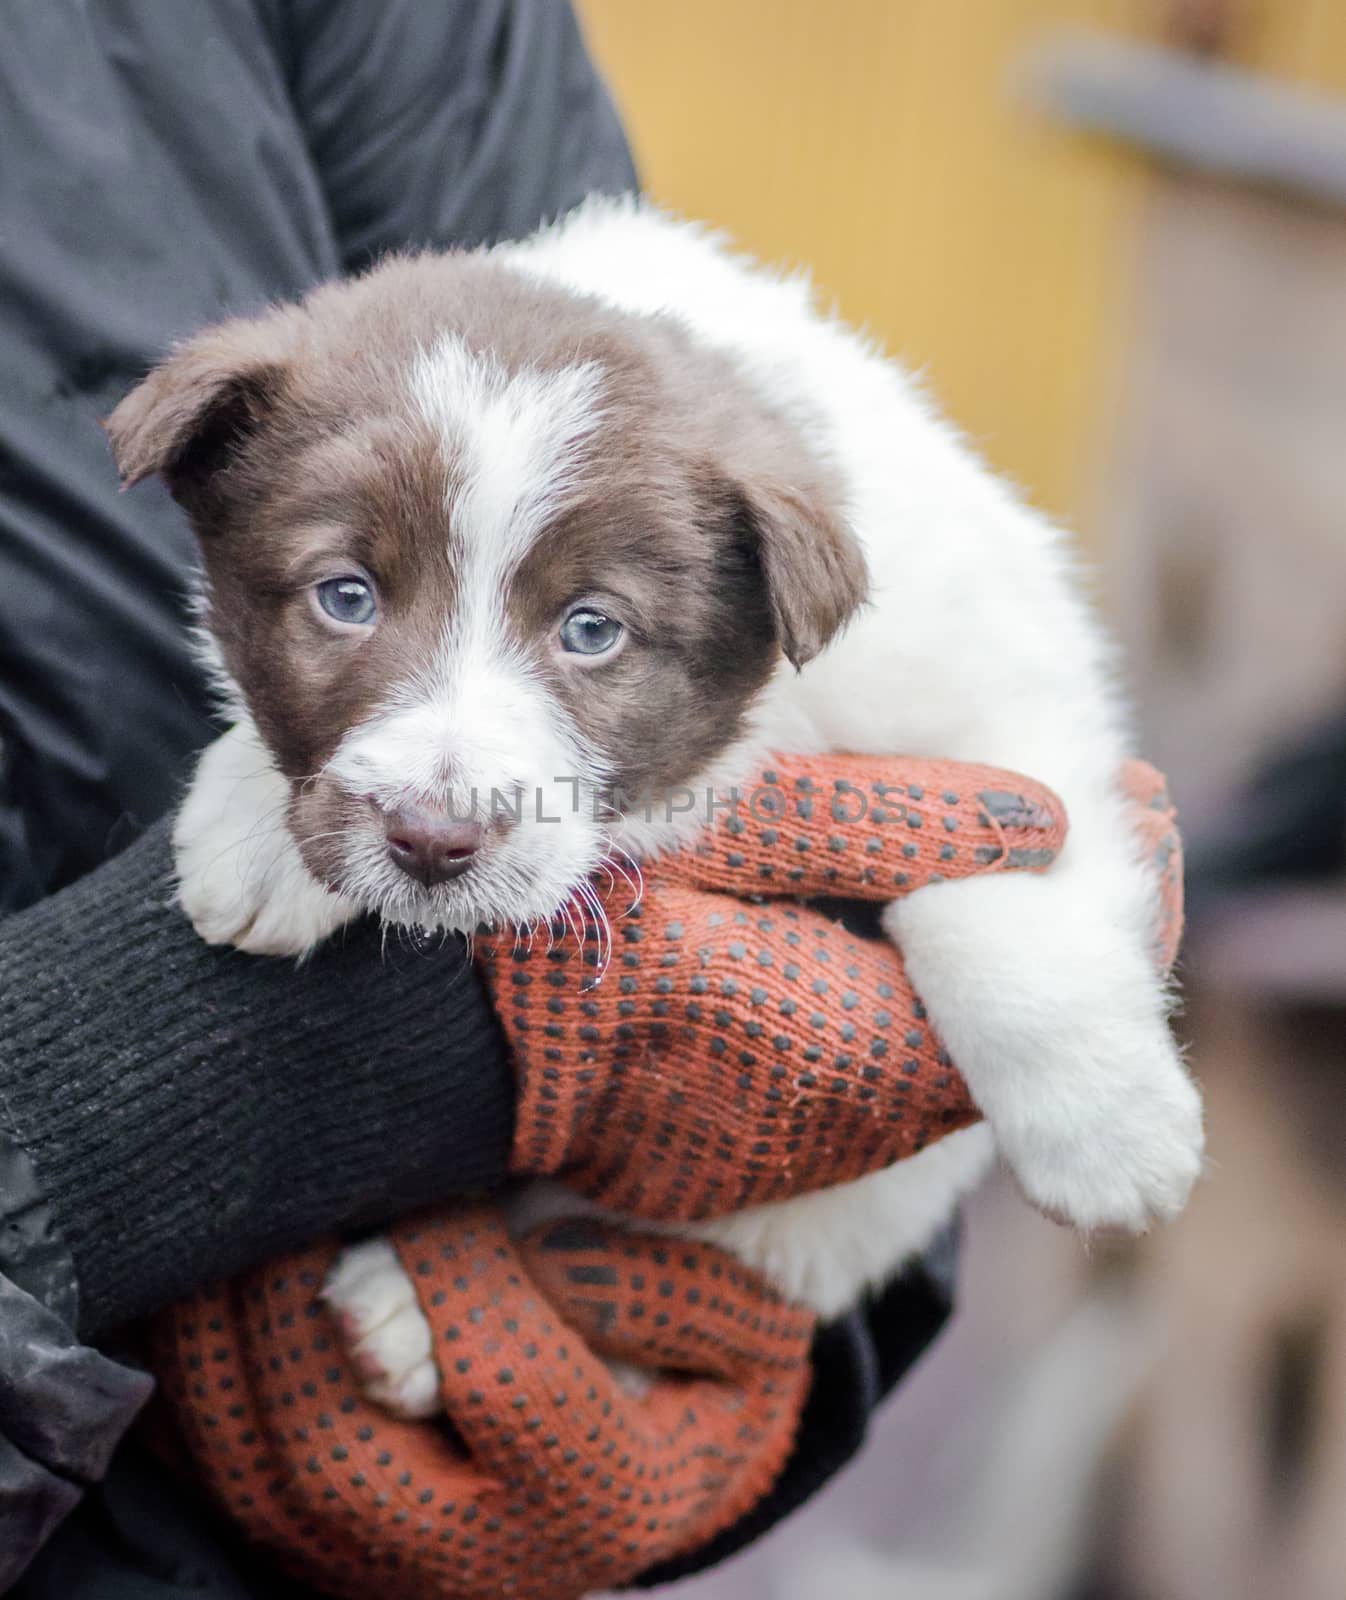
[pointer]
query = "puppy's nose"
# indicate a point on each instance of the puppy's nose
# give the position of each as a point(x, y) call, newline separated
point(431, 846)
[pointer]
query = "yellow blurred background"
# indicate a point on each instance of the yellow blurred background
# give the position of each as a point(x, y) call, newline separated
point(1156, 352)
point(882, 144)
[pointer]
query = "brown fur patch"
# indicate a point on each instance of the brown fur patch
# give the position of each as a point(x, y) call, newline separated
point(702, 518)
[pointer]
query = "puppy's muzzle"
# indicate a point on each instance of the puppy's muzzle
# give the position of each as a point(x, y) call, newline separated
point(431, 846)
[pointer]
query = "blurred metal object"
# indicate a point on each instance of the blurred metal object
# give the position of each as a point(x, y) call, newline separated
point(1217, 119)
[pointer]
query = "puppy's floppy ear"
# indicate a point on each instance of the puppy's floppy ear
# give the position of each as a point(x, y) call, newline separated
point(188, 416)
point(814, 569)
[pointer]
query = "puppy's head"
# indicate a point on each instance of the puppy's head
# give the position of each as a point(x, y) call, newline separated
point(486, 561)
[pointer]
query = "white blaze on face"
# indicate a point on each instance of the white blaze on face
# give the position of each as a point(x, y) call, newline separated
point(477, 720)
point(516, 441)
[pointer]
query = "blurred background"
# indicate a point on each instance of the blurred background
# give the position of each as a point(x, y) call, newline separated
point(1113, 234)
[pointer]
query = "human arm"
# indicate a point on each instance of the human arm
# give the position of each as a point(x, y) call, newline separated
point(552, 1454)
point(667, 1096)
point(169, 1113)
point(717, 1053)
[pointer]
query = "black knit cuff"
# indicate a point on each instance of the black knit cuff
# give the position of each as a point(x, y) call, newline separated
point(192, 1111)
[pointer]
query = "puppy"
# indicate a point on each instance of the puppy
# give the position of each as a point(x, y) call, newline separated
point(614, 511)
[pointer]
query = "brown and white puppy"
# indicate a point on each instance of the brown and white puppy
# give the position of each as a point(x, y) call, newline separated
point(413, 493)
point(488, 537)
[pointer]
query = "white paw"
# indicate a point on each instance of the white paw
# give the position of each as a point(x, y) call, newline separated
point(241, 879)
point(1119, 1148)
point(1044, 995)
point(636, 1383)
point(385, 1332)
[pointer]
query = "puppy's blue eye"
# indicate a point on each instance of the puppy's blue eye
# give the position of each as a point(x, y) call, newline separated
point(589, 633)
point(349, 600)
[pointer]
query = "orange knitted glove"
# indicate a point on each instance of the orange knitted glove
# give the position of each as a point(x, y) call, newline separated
point(553, 1481)
point(733, 1053)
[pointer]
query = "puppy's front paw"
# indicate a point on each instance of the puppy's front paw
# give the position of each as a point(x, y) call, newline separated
point(1122, 1147)
point(1044, 993)
point(241, 879)
point(385, 1331)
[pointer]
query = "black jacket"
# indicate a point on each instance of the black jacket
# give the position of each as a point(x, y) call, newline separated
point(169, 1113)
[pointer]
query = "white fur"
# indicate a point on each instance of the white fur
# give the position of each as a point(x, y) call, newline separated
point(240, 876)
point(517, 442)
point(386, 1335)
point(977, 646)
point(475, 731)
point(823, 1250)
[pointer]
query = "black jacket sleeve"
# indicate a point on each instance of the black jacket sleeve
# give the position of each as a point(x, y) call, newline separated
point(63, 1410)
point(457, 123)
point(170, 1114)
point(191, 1111)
